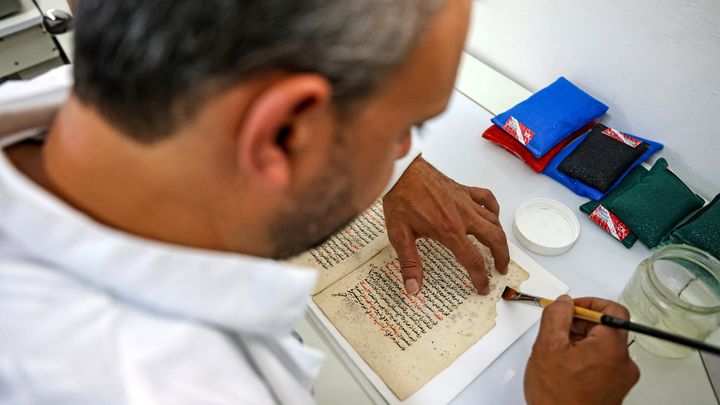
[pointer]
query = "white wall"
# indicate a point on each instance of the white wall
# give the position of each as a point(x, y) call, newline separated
point(656, 63)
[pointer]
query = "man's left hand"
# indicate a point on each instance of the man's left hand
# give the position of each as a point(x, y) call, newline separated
point(424, 203)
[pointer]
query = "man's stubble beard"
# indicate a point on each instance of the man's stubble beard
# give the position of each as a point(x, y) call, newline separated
point(319, 211)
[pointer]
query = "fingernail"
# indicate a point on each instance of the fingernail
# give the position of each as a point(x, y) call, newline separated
point(485, 291)
point(411, 286)
point(564, 298)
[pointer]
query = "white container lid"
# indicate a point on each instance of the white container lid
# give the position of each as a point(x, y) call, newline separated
point(546, 226)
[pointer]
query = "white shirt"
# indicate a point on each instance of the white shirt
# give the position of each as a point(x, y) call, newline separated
point(92, 315)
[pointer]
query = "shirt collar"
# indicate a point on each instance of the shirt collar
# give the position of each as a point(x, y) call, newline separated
point(241, 293)
point(33, 103)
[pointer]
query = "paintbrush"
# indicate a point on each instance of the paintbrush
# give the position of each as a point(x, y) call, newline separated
point(510, 294)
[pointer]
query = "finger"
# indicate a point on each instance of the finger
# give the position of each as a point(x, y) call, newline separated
point(555, 323)
point(486, 198)
point(472, 260)
point(487, 215)
point(403, 242)
point(574, 337)
point(606, 307)
point(581, 327)
point(494, 238)
point(611, 341)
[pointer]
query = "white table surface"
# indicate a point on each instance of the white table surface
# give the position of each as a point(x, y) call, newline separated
point(597, 265)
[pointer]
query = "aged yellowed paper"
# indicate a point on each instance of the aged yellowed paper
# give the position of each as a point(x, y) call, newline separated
point(347, 249)
point(408, 340)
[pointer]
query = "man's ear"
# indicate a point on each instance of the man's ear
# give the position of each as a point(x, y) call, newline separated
point(274, 118)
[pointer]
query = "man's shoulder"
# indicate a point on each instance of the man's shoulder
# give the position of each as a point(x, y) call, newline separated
point(24, 281)
point(32, 288)
point(40, 311)
point(43, 308)
point(86, 338)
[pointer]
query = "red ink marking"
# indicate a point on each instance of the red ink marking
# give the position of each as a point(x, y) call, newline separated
point(367, 301)
point(375, 321)
point(393, 329)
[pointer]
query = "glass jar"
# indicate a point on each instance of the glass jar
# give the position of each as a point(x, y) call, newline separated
point(676, 289)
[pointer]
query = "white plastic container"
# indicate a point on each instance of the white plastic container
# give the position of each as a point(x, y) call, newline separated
point(545, 226)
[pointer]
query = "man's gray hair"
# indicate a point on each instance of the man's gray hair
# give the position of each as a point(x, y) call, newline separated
point(148, 66)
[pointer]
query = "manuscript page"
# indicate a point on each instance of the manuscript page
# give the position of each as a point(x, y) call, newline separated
point(347, 249)
point(408, 340)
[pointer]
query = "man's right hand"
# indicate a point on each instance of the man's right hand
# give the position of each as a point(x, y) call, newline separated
point(579, 362)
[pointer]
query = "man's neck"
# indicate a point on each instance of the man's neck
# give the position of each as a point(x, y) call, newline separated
point(140, 189)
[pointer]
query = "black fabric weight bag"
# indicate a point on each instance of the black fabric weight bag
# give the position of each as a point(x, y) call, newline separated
point(602, 157)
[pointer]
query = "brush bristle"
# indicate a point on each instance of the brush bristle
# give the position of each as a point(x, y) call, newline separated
point(509, 293)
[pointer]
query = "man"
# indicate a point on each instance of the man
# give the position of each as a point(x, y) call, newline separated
point(200, 141)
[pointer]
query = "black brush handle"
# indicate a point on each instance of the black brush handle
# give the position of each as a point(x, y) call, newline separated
point(660, 334)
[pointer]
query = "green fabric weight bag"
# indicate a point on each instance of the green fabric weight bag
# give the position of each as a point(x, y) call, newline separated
point(702, 230)
point(594, 209)
point(655, 205)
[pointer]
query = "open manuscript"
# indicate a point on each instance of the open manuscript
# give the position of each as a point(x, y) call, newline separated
point(406, 340)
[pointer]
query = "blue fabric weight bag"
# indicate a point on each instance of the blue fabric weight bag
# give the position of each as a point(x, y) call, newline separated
point(549, 116)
